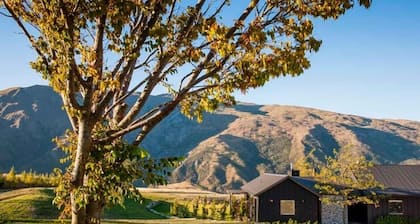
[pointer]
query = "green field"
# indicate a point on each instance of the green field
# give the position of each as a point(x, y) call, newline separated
point(34, 205)
point(132, 210)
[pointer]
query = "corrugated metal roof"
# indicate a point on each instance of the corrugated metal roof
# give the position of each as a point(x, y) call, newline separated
point(398, 178)
point(268, 180)
point(394, 191)
point(307, 183)
point(263, 183)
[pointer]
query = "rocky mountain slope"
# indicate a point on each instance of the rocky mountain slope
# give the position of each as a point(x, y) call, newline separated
point(268, 138)
point(227, 149)
point(29, 119)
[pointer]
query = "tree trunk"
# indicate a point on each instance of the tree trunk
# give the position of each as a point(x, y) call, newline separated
point(78, 216)
point(94, 211)
point(84, 144)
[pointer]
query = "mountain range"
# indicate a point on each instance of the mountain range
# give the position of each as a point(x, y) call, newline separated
point(229, 148)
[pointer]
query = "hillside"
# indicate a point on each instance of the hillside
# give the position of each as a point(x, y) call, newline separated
point(268, 138)
point(227, 149)
point(29, 119)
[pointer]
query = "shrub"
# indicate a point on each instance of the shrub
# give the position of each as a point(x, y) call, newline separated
point(204, 208)
point(200, 211)
point(183, 212)
point(219, 213)
point(174, 208)
point(228, 213)
point(396, 219)
point(13, 180)
point(291, 221)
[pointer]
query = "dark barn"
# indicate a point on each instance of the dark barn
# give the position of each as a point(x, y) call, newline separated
point(401, 195)
point(275, 197)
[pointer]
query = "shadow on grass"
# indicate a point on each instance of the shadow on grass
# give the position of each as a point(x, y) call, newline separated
point(44, 208)
point(35, 206)
point(132, 210)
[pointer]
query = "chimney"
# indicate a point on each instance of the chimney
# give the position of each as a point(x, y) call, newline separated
point(292, 172)
point(295, 173)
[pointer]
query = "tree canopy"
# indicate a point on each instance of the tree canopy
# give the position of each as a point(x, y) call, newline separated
point(345, 174)
point(97, 53)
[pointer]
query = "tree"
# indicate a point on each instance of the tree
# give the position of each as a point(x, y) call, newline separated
point(11, 176)
point(95, 54)
point(347, 175)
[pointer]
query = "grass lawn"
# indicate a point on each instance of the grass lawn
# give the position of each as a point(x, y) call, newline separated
point(132, 210)
point(36, 203)
point(27, 204)
point(128, 221)
point(27, 221)
point(163, 207)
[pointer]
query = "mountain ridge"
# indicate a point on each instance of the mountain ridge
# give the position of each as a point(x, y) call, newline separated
point(230, 147)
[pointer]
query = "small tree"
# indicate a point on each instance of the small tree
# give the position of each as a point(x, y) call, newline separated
point(201, 211)
point(97, 53)
point(190, 208)
point(348, 175)
point(195, 205)
point(306, 165)
point(174, 208)
point(11, 175)
point(229, 214)
point(243, 209)
point(211, 209)
point(220, 210)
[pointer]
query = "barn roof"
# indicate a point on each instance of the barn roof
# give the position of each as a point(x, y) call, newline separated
point(399, 179)
point(268, 180)
point(263, 183)
point(307, 183)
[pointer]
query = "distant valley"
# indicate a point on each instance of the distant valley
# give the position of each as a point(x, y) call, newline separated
point(227, 149)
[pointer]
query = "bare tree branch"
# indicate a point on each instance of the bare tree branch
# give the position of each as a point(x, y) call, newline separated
point(154, 79)
point(27, 34)
point(212, 53)
point(124, 97)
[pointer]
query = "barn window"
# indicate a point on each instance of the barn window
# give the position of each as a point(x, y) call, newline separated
point(395, 207)
point(287, 207)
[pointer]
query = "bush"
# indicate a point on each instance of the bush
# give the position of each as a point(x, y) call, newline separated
point(201, 211)
point(228, 213)
point(174, 208)
point(291, 221)
point(25, 179)
point(219, 212)
point(396, 219)
point(183, 212)
point(204, 208)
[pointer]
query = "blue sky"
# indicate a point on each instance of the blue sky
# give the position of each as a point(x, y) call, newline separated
point(368, 65)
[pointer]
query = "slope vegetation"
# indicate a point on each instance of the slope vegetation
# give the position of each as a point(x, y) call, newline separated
point(227, 149)
point(269, 139)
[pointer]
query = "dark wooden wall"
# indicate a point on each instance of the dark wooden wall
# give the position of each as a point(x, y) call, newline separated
point(411, 208)
point(307, 205)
